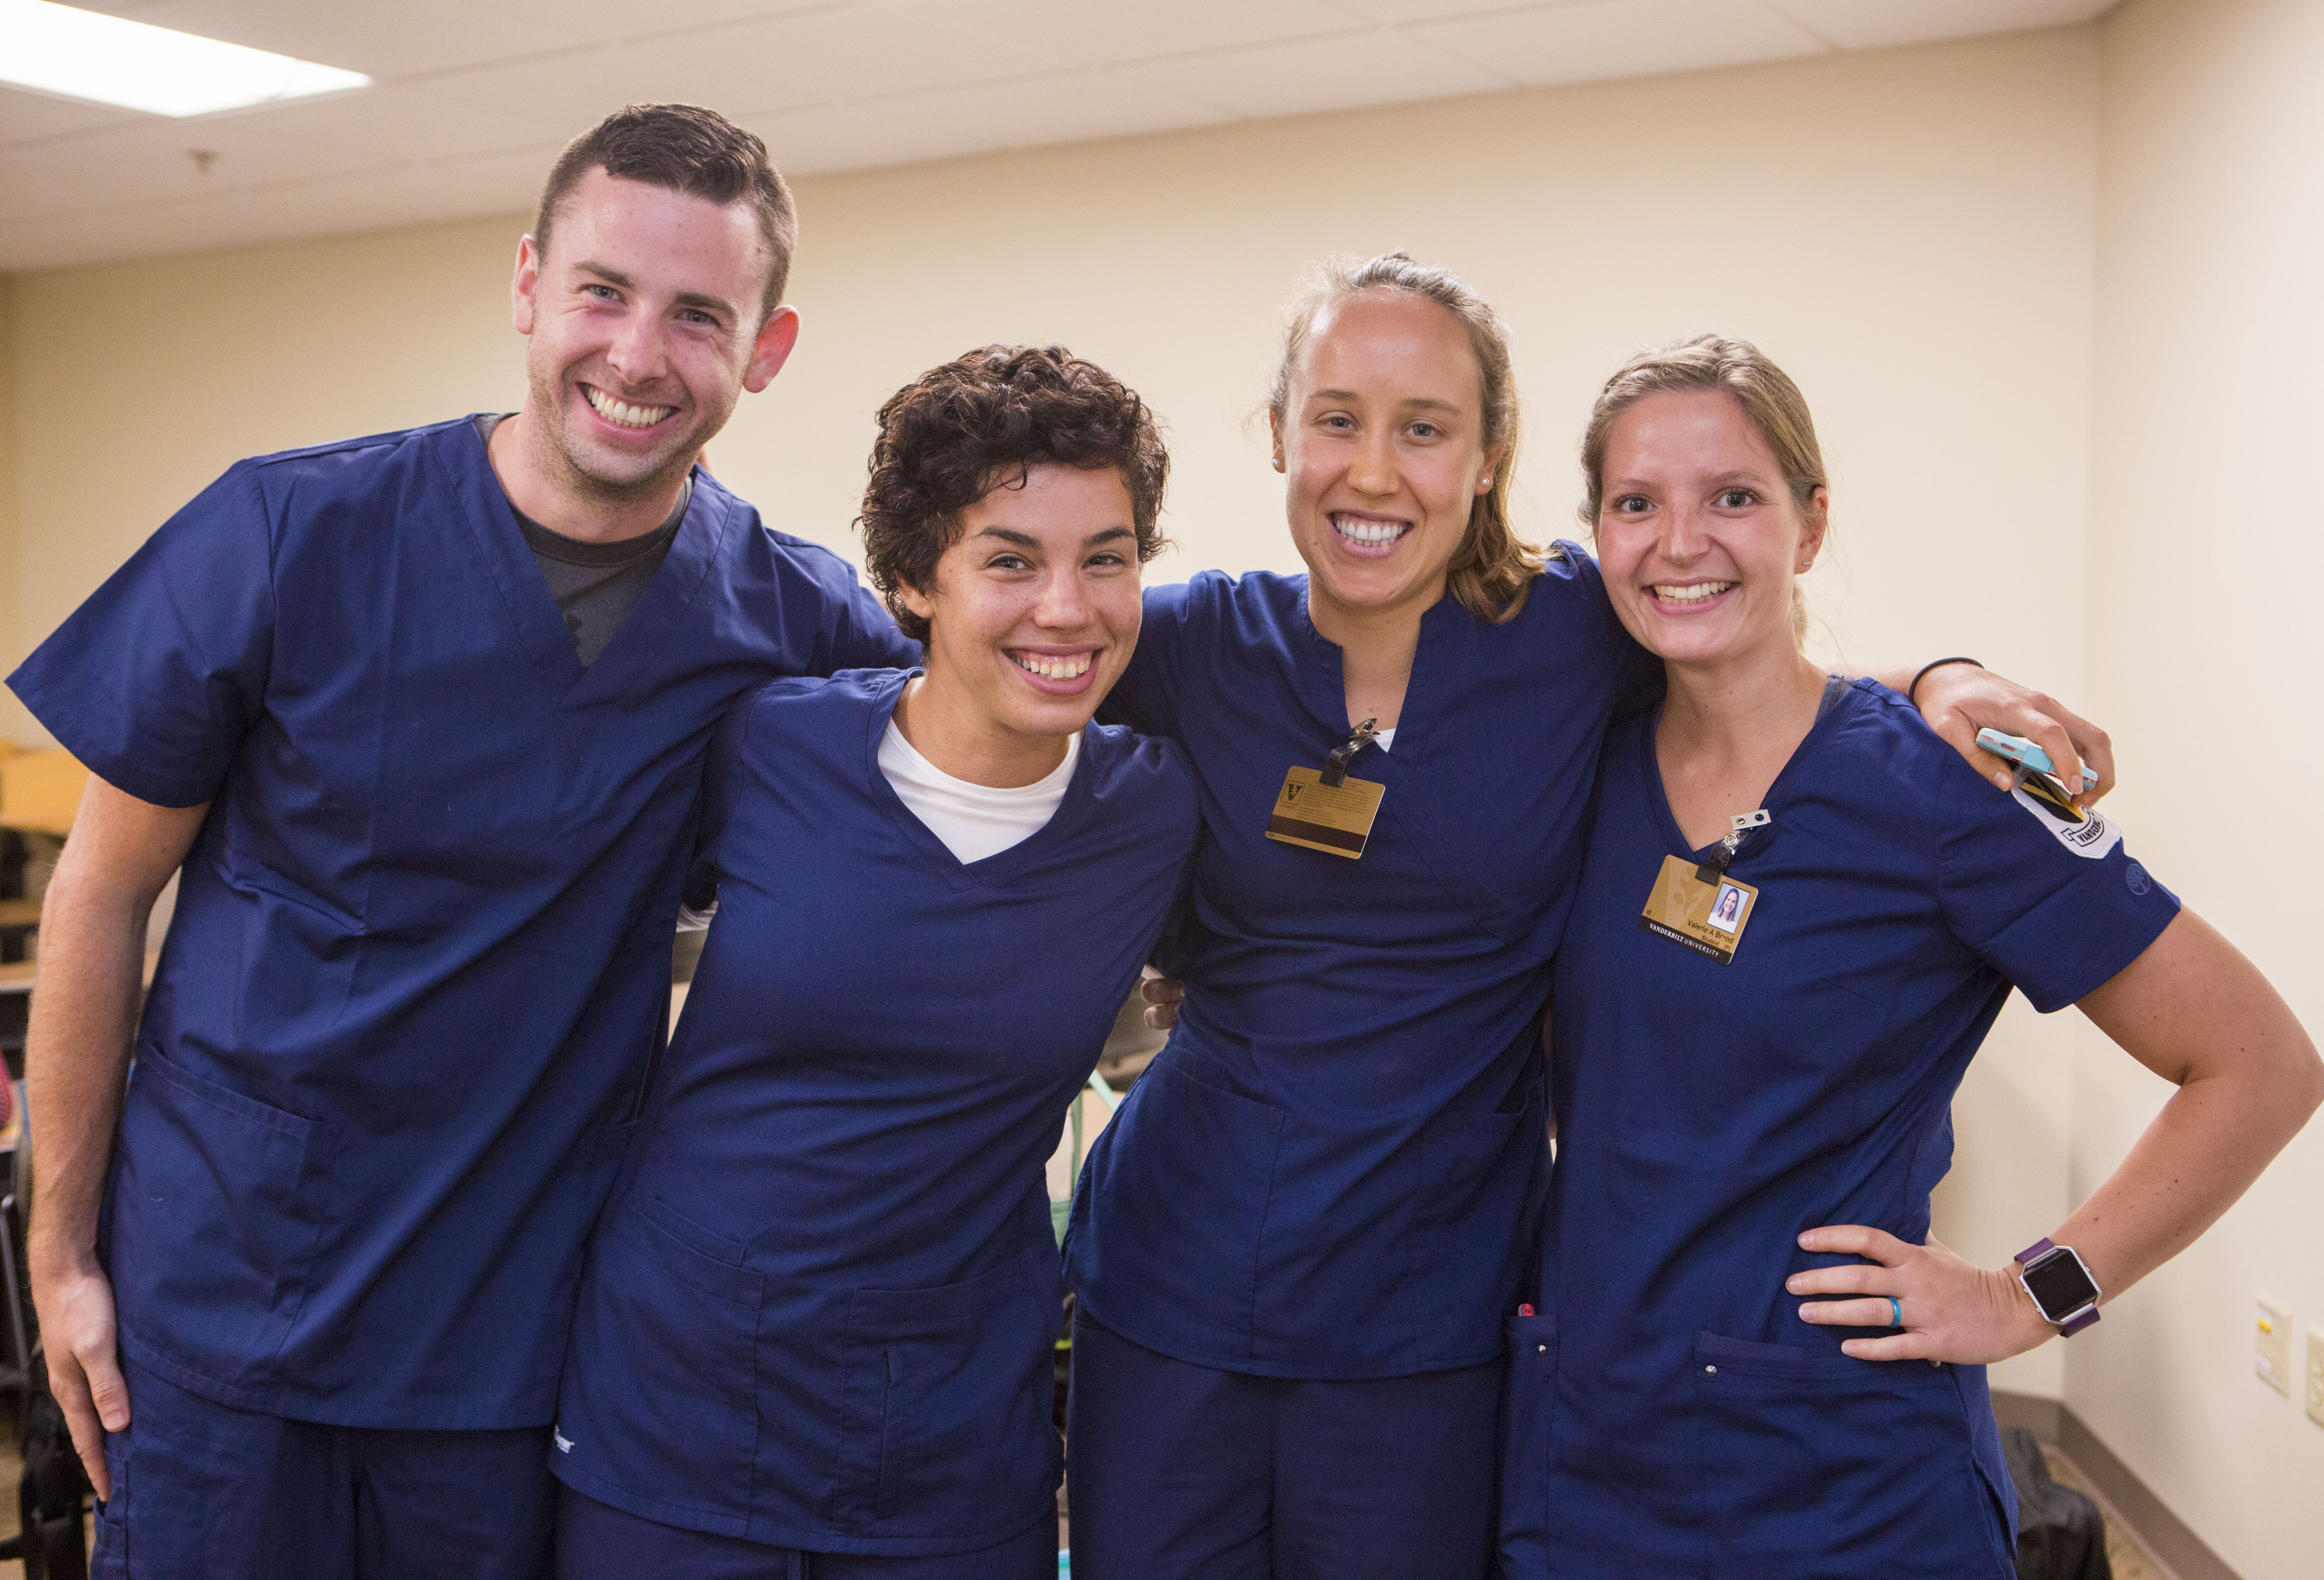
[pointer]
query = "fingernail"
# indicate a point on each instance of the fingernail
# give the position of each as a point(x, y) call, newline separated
point(1807, 1242)
point(1793, 1285)
point(2074, 785)
point(2002, 780)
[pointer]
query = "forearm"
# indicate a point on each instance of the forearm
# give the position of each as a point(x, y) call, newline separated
point(2211, 1141)
point(75, 1053)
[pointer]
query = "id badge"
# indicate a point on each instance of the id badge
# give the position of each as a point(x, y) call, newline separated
point(1707, 917)
point(1334, 819)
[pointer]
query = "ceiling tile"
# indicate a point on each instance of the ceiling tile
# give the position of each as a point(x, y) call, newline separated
point(151, 163)
point(867, 52)
point(401, 124)
point(1599, 39)
point(24, 116)
point(1375, 66)
point(378, 40)
point(567, 95)
point(1432, 10)
point(1870, 24)
point(1096, 35)
point(1066, 107)
point(844, 137)
point(576, 20)
point(367, 200)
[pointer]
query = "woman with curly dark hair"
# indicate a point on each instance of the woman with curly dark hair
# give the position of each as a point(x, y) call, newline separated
point(815, 1336)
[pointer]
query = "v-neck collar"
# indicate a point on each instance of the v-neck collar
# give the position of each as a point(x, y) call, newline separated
point(531, 607)
point(1323, 683)
point(1650, 771)
point(1001, 866)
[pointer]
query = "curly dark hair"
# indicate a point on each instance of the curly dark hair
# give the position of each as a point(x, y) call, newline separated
point(979, 422)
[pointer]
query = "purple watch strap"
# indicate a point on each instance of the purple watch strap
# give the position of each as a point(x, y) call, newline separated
point(2025, 1258)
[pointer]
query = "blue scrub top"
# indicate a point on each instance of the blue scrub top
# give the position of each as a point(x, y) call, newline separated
point(1329, 1170)
point(822, 1311)
point(421, 958)
point(1670, 1412)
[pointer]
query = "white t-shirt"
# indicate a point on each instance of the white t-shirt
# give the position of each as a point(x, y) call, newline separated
point(973, 820)
point(1386, 738)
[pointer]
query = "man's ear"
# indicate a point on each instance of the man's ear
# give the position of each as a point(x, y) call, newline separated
point(777, 336)
point(525, 287)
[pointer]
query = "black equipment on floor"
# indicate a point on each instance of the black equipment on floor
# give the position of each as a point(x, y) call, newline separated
point(52, 1541)
point(2061, 1535)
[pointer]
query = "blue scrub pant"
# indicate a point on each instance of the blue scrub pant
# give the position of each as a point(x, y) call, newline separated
point(1174, 1469)
point(597, 1541)
point(204, 1491)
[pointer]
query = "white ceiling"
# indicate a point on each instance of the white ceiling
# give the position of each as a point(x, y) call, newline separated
point(473, 97)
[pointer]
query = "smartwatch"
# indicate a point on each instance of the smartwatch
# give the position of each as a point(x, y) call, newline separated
point(2060, 1284)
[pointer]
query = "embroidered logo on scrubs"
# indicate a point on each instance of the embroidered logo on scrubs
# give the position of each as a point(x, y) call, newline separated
point(2086, 833)
point(558, 1436)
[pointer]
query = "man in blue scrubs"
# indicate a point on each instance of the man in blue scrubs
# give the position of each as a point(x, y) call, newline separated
point(421, 717)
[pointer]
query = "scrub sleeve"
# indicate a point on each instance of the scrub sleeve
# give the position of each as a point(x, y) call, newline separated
point(1330, 1173)
point(1668, 1411)
point(821, 1314)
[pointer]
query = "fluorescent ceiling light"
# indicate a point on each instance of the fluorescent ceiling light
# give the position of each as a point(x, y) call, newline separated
point(84, 54)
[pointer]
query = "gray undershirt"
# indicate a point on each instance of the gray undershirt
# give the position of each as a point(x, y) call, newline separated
point(595, 584)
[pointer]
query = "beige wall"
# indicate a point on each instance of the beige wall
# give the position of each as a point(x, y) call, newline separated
point(1915, 234)
point(2210, 327)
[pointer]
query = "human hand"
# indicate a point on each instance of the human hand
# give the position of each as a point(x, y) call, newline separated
point(78, 1333)
point(1161, 994)
point(1952, 1310)
point(1961, 700)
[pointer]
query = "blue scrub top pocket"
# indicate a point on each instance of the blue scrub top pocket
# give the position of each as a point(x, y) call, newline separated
point(231, 1307)
point(1482, 1167)
point(1815, 1464)
point(948, 1404)
point(1184, 1164)
point(659, 1400)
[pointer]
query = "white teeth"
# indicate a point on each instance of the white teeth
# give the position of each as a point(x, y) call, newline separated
point(1053, 668)
point(1370, 534)
point(622, 411)
point(1692, 595)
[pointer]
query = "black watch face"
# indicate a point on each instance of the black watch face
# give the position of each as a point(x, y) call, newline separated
point(2060, 1286)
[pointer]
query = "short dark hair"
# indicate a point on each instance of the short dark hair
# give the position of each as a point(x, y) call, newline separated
point(686, 149)
point(979, 422)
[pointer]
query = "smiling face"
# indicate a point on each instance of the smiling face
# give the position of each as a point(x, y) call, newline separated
point(1698, 531)
point(1033, 615)
point(1381, 442)
point(645, 327)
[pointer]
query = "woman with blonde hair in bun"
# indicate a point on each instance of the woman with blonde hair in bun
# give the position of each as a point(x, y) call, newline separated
point(1295, 1247)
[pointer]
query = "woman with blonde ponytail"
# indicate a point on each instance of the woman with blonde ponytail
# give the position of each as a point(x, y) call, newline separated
point(1296, 1245)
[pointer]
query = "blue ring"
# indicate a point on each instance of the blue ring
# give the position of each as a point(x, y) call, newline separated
point(1896, 1312)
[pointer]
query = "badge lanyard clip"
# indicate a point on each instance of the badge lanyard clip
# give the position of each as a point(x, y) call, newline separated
point(1335, 767)
point(1738, 830)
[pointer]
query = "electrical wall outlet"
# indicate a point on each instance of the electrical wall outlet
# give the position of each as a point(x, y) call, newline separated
point(2316, 1375)
point(2272, 1349)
